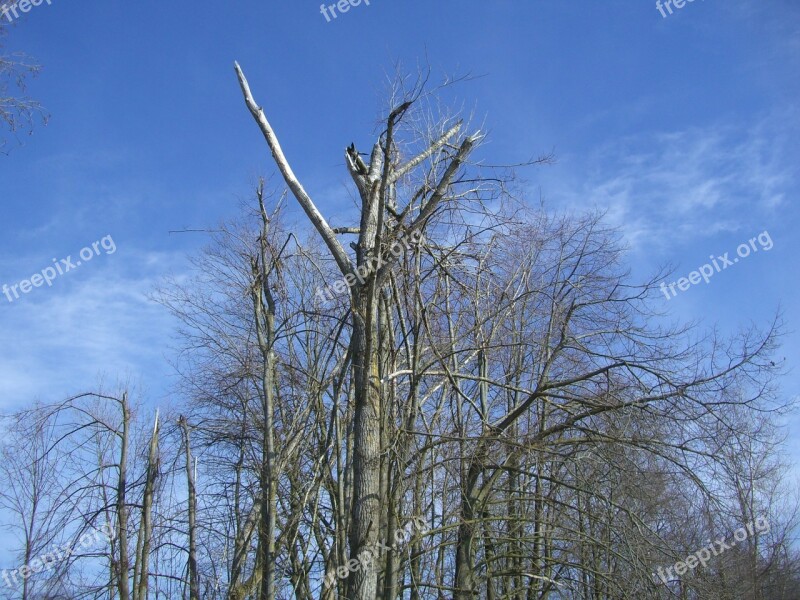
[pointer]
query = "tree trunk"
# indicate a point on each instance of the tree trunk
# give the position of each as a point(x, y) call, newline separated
point(194, 581)
point(146, 531)
point(362, 584)
point(122, 510)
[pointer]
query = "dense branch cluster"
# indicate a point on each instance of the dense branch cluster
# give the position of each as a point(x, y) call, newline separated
point(503, 380)
point(17, 111)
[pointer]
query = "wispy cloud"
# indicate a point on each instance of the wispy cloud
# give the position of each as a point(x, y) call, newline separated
point(691, 183)
point(95, 321)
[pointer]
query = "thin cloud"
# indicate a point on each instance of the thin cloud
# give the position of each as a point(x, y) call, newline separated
point(691, 183)
point(97, 321)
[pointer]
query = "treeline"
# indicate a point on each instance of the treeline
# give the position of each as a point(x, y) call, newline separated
point(492, 408)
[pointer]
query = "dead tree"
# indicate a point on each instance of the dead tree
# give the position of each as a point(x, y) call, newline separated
point(194, 580)
point(382, 225)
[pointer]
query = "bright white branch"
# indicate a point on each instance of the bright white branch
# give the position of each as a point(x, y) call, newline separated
point(319, 222)
point(396, 374)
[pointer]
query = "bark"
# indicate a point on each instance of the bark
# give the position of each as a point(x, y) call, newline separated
point(146, 531)
point(194, 581)
point(264, 315)
point(123, 564)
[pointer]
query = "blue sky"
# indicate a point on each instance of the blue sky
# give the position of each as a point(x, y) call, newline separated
point(684, 129)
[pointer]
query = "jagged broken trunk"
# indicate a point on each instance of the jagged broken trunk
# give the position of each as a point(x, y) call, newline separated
point(383, 225)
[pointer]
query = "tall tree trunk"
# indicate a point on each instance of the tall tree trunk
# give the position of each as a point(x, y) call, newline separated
point(123, 564)
point(468, 530)
point(375, 183)
point(264, 314)
point(362, 583)
point(194, 581)
point(146, 531)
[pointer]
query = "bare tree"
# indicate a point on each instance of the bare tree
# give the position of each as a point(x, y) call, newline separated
point(537, 345)
point(367, 274)
point(16, 109)
point(488, 406)
point(194, 581)
point(30, 489)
